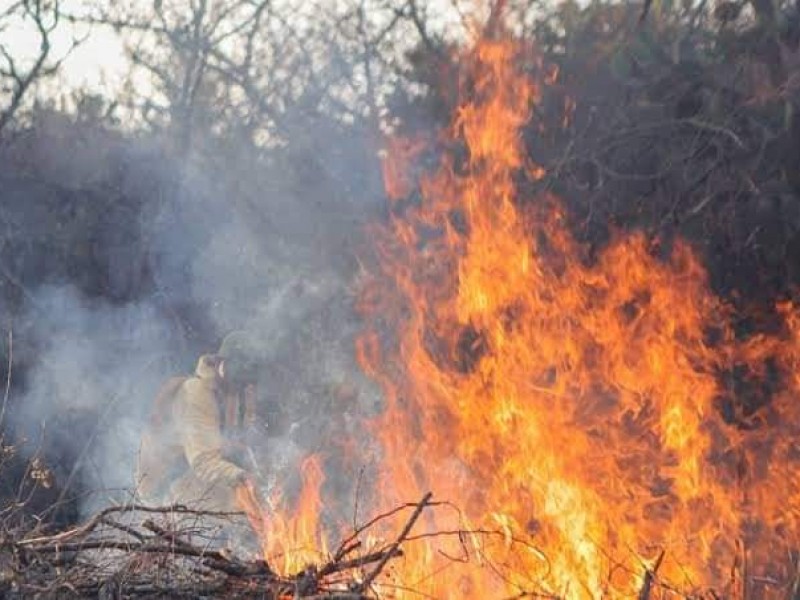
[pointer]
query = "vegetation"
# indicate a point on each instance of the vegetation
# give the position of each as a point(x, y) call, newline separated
point(266, 119)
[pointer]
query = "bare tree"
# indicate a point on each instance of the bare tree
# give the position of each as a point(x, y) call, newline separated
point(252, 67)
point(203, 59)
point(18, 76)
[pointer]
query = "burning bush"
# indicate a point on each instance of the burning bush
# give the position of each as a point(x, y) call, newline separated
point(572, 397)
point(580, 308)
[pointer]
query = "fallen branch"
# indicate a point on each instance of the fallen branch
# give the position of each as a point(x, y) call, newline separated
point(649, 577)
point(396, 545)
point(136, 557)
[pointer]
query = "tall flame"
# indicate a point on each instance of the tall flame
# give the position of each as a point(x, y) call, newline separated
point(291, 537)
point(574, 408)
point(589, 419)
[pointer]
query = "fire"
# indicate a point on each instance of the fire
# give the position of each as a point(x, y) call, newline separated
point(574, 408)
point(291, 537)
point(398, 163)
point(585, 419)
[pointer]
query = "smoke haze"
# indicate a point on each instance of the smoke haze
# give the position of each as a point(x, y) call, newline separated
point(275, 255)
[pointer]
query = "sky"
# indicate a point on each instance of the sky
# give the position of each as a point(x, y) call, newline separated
point(99, 63)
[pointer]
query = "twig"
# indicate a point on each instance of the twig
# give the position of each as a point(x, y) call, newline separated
point(394, 547)
point(123, 528)
point(92, 523)
point(385, 515)
point(8, 378)
point(355, 563)
point(649, 576)
point(794, 591)
point(345, 550)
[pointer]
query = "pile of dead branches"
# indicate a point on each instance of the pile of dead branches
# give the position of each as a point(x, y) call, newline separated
point(137, 551)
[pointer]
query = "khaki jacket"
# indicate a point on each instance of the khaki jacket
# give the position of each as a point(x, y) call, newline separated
point(194, 437)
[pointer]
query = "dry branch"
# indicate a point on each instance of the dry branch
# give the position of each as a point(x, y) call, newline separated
point(396, 545)
point(138, 551)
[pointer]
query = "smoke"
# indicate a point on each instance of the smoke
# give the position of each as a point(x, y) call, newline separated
point(97, 368)
point(272, 251)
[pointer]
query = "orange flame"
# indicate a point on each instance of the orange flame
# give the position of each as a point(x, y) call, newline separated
point(397, 165)
point(291, 538)
point(581, 413)
point(573, 407)
point(248, 501)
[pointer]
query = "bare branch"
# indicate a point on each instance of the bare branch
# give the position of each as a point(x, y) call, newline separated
point(46, 18)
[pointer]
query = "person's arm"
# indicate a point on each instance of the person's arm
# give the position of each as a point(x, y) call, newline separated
point(198, 423)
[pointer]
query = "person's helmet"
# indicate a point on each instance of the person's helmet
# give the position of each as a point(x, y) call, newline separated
point(242, 355)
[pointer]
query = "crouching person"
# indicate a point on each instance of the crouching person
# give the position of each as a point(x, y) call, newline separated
point(192, 452)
